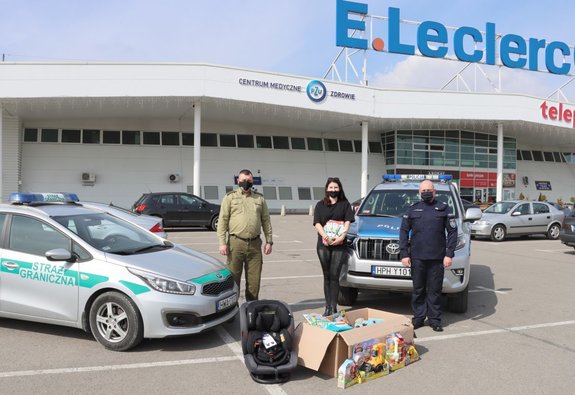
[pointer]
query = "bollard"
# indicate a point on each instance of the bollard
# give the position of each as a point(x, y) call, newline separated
point(283, 210)
point(310, 209)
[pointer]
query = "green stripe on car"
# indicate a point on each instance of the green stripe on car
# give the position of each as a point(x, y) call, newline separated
point(211, 277)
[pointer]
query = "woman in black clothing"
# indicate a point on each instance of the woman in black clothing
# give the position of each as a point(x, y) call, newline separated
point(331, 218)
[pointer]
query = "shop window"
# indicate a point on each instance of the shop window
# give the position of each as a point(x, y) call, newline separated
point(331, 145)
point(557, 157)
point(228, 140)
point(314, 144)
point(270, 193)
point(548, 156)
point(211, 192)
point(151, 138)
point(209, 140)
point(375, 147)
point(170, 138)
point(318, 193)
point(71, 136)
point(526, 155)
point(304, 193)
point(285, 193)
point(245, 141)
point(187, 138)
point(519, 157)
point(30, 135)
point(281, 142)
point(345, 146)
point(49, 135)
point(357, 145)
point(263, 142)
point(130, 137)
point(90, 136)
point(537, 156)
point(112, 137)
point(297, 143)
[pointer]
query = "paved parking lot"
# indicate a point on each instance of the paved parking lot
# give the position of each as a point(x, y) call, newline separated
point(517, 337)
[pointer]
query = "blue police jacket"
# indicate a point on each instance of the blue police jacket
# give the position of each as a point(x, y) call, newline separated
point(428, 231)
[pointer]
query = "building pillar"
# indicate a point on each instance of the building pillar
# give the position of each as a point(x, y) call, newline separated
point(364, 164)
point(197, 147)
point(499, 196)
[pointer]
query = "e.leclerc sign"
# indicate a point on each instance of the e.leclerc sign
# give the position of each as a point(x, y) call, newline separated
point(433, 41)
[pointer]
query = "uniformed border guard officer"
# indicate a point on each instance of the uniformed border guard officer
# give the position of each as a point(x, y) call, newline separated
point(428, 251)
point(243, 215)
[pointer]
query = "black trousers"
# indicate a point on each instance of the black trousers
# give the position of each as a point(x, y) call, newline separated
point(332, 260)
point(427, 276)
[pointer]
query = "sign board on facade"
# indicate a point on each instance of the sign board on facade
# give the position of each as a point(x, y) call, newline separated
point(543, 185)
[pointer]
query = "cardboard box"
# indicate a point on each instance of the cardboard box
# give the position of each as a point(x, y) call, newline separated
point(324, 351)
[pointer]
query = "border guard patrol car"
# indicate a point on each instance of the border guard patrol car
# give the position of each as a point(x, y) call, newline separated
point(66, 264)
point(373, 239)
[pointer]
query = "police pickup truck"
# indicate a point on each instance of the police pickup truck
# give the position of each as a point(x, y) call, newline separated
point(373, 240)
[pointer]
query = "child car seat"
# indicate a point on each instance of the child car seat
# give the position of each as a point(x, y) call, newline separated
point(267, 330)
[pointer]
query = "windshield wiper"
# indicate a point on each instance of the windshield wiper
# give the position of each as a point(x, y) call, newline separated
point(378, 215)
point(147, 248)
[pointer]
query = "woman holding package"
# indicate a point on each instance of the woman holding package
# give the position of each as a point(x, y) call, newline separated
point(331, 219)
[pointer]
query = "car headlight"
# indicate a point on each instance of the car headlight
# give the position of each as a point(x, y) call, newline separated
point(482, 223)
point(461, 241)
point(164, 284)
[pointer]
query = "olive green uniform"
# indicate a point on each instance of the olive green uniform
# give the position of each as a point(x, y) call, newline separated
point(243, 215)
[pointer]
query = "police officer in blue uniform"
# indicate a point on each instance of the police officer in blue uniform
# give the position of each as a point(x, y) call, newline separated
point(427, 240)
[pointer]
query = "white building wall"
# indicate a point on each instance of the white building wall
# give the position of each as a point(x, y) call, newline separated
point(10, 155)
point(124, 172)
point(561, 176)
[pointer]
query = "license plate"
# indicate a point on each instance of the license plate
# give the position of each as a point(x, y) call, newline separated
point(391, 271)
point(227, 302)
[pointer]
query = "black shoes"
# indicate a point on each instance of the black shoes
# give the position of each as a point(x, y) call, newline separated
point(437, 327)
point(417, 324)
point(328, 311)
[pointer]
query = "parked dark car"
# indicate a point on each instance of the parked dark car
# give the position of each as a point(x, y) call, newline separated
point(567, 234)
point(178, 209)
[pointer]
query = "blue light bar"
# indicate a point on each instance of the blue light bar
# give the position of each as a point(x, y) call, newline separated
point(26, 198)
point(417, 177)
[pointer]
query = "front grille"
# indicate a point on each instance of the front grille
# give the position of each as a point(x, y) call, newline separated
point(378, 249)
point(217, 287)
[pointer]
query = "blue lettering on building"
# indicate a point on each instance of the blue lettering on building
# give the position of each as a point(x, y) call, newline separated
point(433, 41)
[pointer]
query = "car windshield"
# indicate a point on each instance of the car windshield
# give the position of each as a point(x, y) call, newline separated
point(500, 208)
point(395, 202)
point(110, 234)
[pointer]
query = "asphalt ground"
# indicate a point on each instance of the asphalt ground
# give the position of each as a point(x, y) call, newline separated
point(517, 337)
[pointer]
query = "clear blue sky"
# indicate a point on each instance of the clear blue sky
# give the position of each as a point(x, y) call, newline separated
point(294, 37)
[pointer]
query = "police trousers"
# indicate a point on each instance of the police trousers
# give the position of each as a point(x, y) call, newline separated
point(246, 254)
point(427, 276)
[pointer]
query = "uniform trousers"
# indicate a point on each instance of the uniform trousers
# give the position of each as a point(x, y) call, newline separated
point(332, 260)
point(246, 254)
point(427, 276)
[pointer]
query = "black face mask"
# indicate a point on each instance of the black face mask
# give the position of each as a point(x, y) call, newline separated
point(245, 185)
point(427, 197)
point(333, 194)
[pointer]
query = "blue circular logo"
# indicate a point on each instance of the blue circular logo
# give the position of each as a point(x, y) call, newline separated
point(316, 91)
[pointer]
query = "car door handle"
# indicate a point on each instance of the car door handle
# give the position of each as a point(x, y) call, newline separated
point(530, 218)
point(10, 265)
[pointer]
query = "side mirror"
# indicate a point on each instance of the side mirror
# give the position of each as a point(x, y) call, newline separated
point(516, 213)
point(59, 254)
point(472, 214)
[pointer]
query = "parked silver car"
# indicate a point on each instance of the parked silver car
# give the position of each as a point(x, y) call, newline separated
point(148, 222)
point(518, 217)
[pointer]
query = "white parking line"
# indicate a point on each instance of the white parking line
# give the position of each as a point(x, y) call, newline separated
point(115, 367)
point(483, 289)
point(494, 331)
point(272, 389)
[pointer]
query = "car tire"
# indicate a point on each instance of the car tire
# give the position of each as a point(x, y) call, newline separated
point(553, 232)
point(347, 296)
point(214, 223)
point(498, 233)
point(457, 303)
point(115, 322)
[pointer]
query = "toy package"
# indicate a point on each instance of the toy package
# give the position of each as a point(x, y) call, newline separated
point(335, 323)
point(395, 351)
point(366, 363)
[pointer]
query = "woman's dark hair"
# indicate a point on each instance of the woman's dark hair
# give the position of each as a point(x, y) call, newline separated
point(341, 198)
